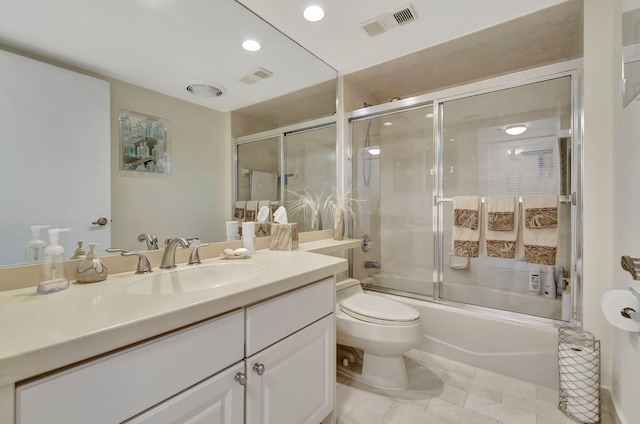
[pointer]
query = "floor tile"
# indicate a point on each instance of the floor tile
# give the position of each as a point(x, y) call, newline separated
point(498, 410)
point(442, 391)
point(455, 414)
point(403, 414)
point(509, 384)
point(536, 406)
point(372, 401)
point(480, 388)
point(360, 415)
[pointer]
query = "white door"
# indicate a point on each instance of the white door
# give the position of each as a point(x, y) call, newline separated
point(55, 156)
point(216, 400)
point(296, 385)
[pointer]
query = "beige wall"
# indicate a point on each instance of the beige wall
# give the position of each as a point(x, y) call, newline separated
point(191, 201)
point(611, 174)
point(625, 127)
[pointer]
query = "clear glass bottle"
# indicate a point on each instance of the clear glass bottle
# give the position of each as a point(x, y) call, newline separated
point(53, 277)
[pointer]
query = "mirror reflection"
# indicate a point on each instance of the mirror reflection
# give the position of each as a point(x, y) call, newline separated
point(144, 65)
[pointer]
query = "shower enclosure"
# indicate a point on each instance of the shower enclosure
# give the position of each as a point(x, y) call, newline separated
point(295, 159)
point(412, 157)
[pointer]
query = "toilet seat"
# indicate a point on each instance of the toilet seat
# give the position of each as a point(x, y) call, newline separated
point(378, 310)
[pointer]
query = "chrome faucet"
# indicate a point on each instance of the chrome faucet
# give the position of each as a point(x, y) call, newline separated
point(169, 256)
point(150, 239)
point(372, 264)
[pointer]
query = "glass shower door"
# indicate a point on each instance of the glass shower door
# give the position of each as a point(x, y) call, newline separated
point(484, 155)
point(393, 171)
point(310, 167)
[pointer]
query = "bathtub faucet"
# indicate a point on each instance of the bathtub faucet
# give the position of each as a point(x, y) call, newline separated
point(372, 264)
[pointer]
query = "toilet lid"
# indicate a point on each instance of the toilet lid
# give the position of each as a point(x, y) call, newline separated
point(378, 309)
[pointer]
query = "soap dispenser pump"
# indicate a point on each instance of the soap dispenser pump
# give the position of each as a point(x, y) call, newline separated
point(53, 277)
point(91, 269)
point(35, 246)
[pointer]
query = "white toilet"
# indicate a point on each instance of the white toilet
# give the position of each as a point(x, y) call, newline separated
point(383, 329)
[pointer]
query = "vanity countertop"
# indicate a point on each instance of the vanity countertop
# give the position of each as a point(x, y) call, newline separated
point(40, 333)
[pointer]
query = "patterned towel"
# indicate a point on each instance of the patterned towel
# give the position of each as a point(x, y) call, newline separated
point(238, 213)
point(251, 212)
point(465, 232)
point(501, 223)
point(540, 232)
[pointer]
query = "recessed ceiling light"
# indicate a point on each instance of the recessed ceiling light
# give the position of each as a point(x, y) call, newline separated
point(374, 151)
point(515, 129)
point(388, 124)
point(313, 13)
point(251, 45)
point(429, 115)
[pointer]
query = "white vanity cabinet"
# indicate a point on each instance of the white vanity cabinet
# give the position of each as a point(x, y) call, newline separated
point(272, 362)
point(290, 351)
point(118, 386)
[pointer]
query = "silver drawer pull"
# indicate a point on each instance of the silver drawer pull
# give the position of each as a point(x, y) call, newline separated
point(241, 378)
point(259, 368)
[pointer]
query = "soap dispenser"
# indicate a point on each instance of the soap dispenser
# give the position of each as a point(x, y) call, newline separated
point(35, 246)
point(91, 269)
point(53, 277)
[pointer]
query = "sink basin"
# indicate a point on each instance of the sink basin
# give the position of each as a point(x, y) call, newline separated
point(193, 278)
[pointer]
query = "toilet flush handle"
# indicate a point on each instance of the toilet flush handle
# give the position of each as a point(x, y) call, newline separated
point(259, 368)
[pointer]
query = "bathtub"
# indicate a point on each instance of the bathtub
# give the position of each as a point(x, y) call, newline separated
point(505, 345)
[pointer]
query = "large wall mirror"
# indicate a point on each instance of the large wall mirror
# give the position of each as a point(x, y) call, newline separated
point(145, 53)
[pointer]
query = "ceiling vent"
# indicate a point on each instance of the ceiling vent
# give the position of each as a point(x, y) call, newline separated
point(400, 16)
point(205, 89)
point(256, 75)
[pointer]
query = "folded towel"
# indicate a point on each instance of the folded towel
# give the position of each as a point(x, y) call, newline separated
point(251, 211)
point(466, 211)
point(540, 232)
point(238, 213)
point(465, 232)
point(501, 223)
point(540, 210)
point(500, 212)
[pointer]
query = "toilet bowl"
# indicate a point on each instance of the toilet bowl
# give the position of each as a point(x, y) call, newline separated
point(383, 329)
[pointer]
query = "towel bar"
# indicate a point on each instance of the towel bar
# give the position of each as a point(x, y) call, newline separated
point(562, 199)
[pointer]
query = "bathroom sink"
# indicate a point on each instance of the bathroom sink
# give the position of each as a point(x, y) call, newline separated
point(193, 278)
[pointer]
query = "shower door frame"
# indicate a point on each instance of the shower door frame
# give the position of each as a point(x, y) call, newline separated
point(573, 69)
point(279, 133)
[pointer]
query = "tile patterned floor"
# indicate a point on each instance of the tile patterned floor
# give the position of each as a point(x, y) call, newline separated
point(442, 391)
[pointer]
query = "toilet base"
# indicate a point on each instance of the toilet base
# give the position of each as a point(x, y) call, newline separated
point(385, 372)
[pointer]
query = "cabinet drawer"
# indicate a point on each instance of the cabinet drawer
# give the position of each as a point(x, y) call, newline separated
point(118, 386)
point(274, 320)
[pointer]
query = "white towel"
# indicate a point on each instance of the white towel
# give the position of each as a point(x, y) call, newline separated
point(540, 229)
point(465, 233)
point(501, 224)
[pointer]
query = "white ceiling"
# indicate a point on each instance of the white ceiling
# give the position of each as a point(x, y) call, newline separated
point(163, 45)
point(339, 40)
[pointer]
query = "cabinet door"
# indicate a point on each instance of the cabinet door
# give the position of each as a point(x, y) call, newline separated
point(297, 381)
point(217, 400)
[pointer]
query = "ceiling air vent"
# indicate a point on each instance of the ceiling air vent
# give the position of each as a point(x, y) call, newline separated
point(256, 75)
point(393, 19)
